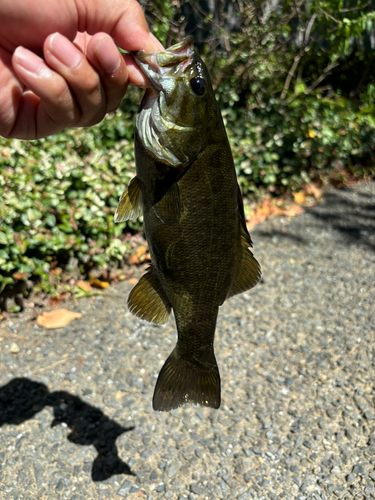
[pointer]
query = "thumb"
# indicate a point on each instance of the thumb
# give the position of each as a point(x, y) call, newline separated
point(123, 20)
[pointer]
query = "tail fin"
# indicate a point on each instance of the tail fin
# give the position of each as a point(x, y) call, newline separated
point(181, 381)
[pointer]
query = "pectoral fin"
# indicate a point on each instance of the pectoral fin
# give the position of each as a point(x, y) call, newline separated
point(130, 205)
point(248, 273)
point(168, 208)
point(148, 301)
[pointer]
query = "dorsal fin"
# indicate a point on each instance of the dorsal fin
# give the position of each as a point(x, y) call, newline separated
point(148, 301)
point(130, 204)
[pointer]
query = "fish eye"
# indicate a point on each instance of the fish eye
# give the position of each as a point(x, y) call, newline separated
point(198, 85)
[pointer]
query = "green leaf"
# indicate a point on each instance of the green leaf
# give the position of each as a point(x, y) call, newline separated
point(3, 238)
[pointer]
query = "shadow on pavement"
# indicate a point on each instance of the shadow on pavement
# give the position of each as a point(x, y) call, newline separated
point(353, 219)
point(22, 398)
point(279, 235)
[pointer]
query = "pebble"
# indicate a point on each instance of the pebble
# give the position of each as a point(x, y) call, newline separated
point(14, 348)
point(125, 488)
point(245, 495)
point(196, 488)
point(358, 469)
point(295, 419)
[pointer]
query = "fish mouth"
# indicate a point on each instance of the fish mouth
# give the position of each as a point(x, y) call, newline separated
point(169, 62)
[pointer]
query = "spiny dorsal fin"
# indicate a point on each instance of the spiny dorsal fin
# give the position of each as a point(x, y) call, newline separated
point(147, 300)
point(248, 273)
point(130, 204)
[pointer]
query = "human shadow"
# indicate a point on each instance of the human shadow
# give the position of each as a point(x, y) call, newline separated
point(352, 218)
point(22, 398)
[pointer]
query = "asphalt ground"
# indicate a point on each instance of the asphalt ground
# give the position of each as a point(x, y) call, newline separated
point(296, 357)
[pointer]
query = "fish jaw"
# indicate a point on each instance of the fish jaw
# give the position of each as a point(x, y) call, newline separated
point(168, 123)
point(163, 63)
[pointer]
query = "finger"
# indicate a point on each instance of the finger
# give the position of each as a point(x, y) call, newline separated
point(52, 90)
point(105, 57)
point(123, 20)
point(136, 77)
point(10, 93)
point(67, 60)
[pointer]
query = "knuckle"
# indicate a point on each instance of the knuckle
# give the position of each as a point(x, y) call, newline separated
point(63, 108)
point(92, 89)
point(61, 95)
point(112, 106)
point(92, 121)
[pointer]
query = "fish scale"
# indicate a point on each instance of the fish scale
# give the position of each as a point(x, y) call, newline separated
point(187, 190)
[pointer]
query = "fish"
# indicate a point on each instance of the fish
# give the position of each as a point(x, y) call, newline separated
point(187, 191)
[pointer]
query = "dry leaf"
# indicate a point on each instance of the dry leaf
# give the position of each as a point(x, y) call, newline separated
point(271, 208)
point(292, 211)
point(141, 250)
point(134, 260)
point(84, 285)
point(97, 283)
point(57, 271)
point(19, 276)
point(140, 256)
point(54, 302)
point(6, 152)
point(57, 318)
point(299, 197)
point(133, 281)
point(314, 191)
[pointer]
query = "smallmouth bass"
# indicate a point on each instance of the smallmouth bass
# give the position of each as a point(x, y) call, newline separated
point(187, 190)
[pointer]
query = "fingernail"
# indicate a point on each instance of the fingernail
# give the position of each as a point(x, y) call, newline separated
point(108, 55)
point(28, 60)
point(64, 51)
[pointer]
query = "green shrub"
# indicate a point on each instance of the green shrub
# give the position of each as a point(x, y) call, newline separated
point(297, 92)
point(58, 196)
point(282, 146)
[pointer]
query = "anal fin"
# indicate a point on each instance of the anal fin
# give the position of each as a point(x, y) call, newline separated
point(130, 204)
point(148, 301)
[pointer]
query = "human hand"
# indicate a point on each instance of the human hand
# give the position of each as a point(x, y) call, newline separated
point(59, 64)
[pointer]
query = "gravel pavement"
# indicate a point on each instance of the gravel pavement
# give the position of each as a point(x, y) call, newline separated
point(296, 357)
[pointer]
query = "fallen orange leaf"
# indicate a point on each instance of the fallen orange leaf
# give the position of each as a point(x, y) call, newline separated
point(272, 208)
point(133, 281)
point(134, 260)
point(56, 271)
point(299, 197)
point(57, 318)
point(54, 302)
point(84, 285)
point(97, 283)
point(141, 255)
point(19, 276)
point(314, 191)
point(141, 250)
point(292, 211)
